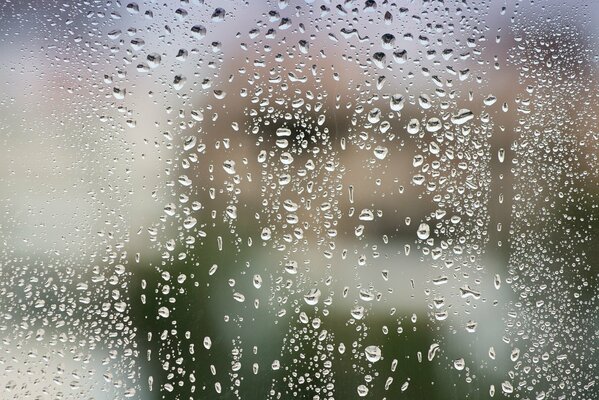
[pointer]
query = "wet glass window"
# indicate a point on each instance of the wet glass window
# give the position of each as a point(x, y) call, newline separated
point(299, 199)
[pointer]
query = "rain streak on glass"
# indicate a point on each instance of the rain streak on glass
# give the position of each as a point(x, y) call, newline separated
point(311, 199)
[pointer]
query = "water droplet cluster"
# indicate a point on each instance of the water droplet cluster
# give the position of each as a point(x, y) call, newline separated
point(308, 199)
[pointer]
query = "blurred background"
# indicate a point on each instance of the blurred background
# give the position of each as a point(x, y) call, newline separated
point(311, 199)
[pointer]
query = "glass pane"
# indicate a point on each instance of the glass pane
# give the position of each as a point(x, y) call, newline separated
point(307, 199)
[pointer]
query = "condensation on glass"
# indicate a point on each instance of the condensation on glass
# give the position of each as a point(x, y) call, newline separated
point(311, 199)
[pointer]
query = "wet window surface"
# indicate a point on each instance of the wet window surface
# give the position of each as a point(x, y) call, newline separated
point(311, 199)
